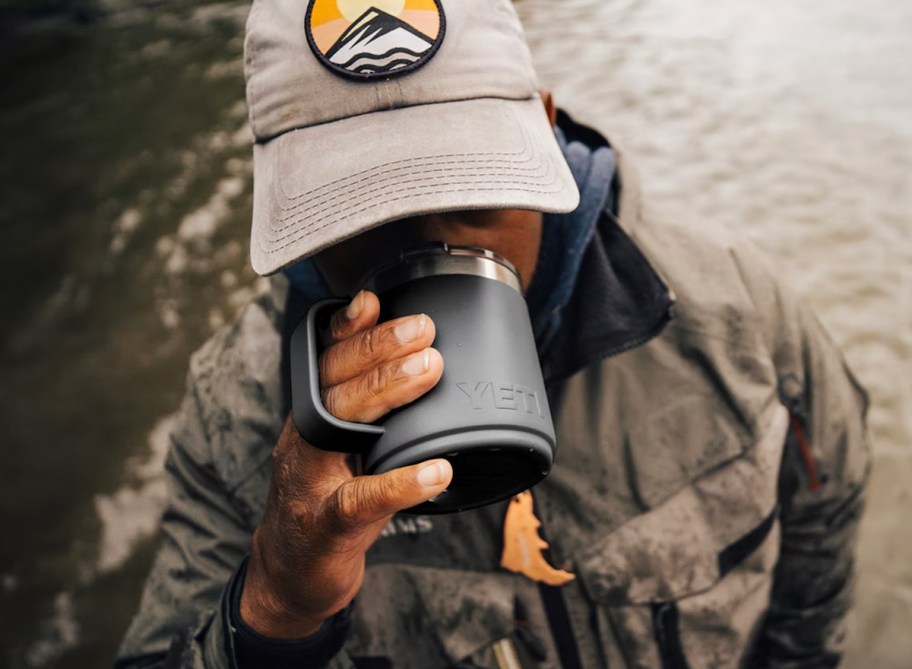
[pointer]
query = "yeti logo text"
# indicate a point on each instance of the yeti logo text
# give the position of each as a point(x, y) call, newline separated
point(501, 396)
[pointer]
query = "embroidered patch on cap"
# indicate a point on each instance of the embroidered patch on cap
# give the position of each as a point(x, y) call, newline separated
point(367, 39)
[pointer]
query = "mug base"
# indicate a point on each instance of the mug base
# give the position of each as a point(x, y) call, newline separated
point(489, 466)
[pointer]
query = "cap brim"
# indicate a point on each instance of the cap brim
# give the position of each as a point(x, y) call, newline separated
point(317, 186)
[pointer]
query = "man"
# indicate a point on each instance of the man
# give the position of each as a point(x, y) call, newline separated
point(711, 461)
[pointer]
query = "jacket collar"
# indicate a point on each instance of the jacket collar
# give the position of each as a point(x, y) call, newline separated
point(619, 301)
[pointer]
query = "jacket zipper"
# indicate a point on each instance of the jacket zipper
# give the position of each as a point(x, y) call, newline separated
point(797, 425)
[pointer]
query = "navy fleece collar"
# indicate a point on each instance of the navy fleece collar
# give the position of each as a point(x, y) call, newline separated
point(566, 236)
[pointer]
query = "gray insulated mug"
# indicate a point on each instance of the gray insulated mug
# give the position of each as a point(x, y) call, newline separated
point(488, 415)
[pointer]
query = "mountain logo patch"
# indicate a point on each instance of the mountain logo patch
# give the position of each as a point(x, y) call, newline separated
point(368, 39)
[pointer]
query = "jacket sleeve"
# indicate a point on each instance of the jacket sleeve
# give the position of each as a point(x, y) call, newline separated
point(184, 619)
point(824, 471)
point(203, 540)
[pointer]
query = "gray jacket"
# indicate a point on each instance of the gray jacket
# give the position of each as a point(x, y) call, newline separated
point(706, 493)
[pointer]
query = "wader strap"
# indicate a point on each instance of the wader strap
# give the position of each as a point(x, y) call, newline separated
point(555, 605)
point(561, 627)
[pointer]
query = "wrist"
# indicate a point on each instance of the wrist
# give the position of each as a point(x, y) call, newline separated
point(253, 650)
point(264, 611)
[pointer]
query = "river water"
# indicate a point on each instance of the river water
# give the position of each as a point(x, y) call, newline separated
point(126, 194)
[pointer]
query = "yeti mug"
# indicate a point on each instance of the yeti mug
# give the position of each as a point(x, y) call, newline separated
point(488, 415)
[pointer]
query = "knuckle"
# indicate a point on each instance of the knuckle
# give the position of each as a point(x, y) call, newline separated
point(349, 507)
point(324, 365)
point(388, 490)
point(368, 344)
point(330, 399)
point(376, 381)
point(300, 514)
point(338, 324)
point(287, 448)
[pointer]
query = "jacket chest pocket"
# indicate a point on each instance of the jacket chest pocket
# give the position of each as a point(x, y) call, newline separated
point(713, 625)
point(441, 619)
point(687, 583)
point(435, 596)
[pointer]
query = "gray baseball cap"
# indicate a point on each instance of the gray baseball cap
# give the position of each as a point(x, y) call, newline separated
point(369, 111)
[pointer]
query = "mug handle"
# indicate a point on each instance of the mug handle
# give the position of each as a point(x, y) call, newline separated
point(314, 423)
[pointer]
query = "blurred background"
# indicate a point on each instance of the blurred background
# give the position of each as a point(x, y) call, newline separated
point(125, 198)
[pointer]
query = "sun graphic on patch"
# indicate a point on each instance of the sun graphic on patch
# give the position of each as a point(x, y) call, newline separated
point(365, 39)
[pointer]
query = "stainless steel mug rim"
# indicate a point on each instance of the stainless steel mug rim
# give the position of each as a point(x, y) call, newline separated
point(439, 258)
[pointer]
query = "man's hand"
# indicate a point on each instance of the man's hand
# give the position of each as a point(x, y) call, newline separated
point(307, 557)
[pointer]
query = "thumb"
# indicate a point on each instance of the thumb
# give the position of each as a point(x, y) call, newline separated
point(364, 500)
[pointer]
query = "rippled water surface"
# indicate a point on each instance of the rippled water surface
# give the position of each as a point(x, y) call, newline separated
point(125, 177)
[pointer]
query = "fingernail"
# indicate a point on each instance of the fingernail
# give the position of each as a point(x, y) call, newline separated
point(417, 363)
point(410, 329)
point(432, 475)
point(355, 307)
